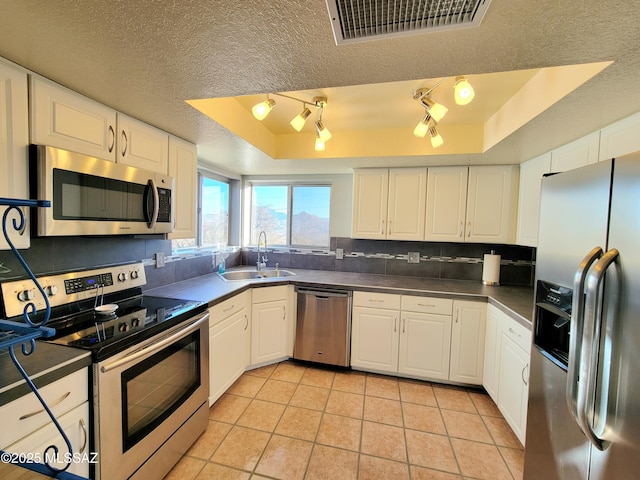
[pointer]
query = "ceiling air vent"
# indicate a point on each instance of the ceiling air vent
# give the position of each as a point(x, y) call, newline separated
point(360, 20)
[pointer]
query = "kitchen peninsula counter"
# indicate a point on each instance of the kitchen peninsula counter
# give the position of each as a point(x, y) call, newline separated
point(516, 301)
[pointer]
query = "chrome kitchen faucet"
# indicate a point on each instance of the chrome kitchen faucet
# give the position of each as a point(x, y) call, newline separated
point(262, 260)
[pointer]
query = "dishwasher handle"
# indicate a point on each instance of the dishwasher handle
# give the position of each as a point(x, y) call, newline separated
point(322, 294)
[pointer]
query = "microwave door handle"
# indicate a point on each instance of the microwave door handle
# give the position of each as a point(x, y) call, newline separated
point(153, 214)
point(576, 328)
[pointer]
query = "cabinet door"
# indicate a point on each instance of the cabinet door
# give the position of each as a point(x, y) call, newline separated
point(620, 138)
point(467, 342)
point(425, 342)
point(407, 197)
point(14, 144)
point(65, 119)
point(374, 339)
point(183, 159)
point(370, 196)
point(229, 348)
point(531, 173)
point(491, 371)
point(75, 424)
point(141, 145)
point(514, 388)
point(269, 331)
point(492, 204)
point(446, 204)
point(579, 153)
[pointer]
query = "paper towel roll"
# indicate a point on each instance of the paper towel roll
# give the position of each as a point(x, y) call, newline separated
point(491, 269)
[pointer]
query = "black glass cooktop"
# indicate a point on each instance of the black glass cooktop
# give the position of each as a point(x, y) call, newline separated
point(136, 318)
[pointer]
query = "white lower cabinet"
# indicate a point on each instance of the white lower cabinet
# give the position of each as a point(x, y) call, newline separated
point(272, 316)
point(229, 343)
point(467, 342)
point(76, 426)
point(374, 339)
point(506, 367)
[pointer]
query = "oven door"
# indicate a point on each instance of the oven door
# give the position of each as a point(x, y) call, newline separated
point(145, 394)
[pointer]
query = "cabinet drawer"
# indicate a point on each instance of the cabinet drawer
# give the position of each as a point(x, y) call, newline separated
point(440, 306)
point(229, 307)
point(516, 332)
point(25, 414)
point(376, 300)
point(270, 294)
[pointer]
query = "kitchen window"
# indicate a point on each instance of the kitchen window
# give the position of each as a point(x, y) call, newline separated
point(213, 214)
point(291, 214)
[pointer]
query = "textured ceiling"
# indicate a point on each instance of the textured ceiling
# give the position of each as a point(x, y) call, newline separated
point(146, 58)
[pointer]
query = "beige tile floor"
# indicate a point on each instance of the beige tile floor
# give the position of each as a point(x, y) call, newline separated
point(292, 421)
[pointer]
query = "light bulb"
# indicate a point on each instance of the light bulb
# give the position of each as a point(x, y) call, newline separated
point(435, 109)
point(262, 109)
point(423, 126)
point(319, 144)
point(436, 138)
point(323, 132)
point(299, 120)
point(463, 91)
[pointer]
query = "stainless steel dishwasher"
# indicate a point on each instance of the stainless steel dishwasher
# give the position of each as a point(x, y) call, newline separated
point(323, 326)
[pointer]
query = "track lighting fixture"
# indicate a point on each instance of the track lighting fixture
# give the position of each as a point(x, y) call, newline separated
point(262, 109)
point(463, 91)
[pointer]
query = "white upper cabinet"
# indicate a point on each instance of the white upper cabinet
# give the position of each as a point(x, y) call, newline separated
point(579, 153)
point(531, 173)
point(446, 204)
point(141, 145)
point(620, 138)
point(407, 192)
point(389, 203)
point(14, 145)
point(492, 204)
point(183, 159)
point(65, 119)
point(370, 197)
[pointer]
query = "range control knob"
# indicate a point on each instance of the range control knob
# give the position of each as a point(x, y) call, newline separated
point(51, 290)
point(26, 295)
point(122, 276)
point(134, 274)
point(123, 327)
point(135, 322)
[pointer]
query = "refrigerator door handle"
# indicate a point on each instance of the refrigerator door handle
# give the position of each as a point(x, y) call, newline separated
point(586, 397)
point(576, 327)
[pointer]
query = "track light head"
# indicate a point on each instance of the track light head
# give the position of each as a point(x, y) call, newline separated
point(299, 120)
point(423, 126)
point(262, 109)
point(435, 109)
point(463, 91)
point(320, 146)
point(436, 138)
point(323, 132)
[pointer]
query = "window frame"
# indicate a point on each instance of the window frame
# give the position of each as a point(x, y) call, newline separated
point(290, 186)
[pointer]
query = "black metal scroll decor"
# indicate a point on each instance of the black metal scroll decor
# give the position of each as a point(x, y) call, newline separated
point(24, 334)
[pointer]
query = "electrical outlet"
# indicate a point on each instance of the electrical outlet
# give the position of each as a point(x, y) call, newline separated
point(339, 253)
point(159, 259)
point(414, 257)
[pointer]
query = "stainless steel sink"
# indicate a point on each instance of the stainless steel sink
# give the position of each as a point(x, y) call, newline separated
point(237, 275)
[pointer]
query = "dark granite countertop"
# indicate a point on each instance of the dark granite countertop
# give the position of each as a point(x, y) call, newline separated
point(48, 363)
point(514, 300)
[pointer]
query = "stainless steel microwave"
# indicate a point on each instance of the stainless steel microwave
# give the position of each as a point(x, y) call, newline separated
point(91, 196)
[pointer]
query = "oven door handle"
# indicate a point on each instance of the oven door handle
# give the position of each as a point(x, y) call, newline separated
point(156, 345)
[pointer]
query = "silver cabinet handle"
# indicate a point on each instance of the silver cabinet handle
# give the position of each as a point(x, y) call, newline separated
point(430, 305)
point(461, 229)
point(284, 312)
point(513, 332)
point(53, 404)
point(382, 227)
point(247, 322)
point(469, 230)
point(395, 324)
point(404, 325)
point(124, 143)
point(590, 351)
point(85, 435)
point(230, 308)
point(457, 313)
point(576, 328)
point(112, 137)
point(525, 380)
point(389, 227)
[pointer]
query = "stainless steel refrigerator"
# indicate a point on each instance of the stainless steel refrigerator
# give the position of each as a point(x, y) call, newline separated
point(584, 392)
